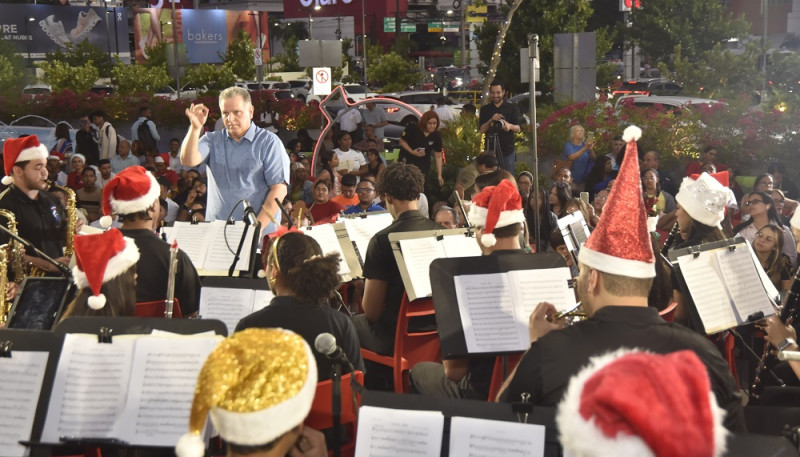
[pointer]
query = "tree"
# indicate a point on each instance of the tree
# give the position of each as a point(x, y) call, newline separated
point(696, 25)
point(12, 66)
point(62, 75)
point(716, 73)
point(211, 76)
point(139, 79)
point(391, 72)
point(239, 56)
point(82, 53)
point(157, 55)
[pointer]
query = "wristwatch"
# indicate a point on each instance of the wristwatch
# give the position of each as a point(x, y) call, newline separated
point(786, 343)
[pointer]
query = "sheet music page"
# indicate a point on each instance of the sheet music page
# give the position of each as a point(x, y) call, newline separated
point(361, 230)
point(21, 377)
point(163, 381)
point(549, 285)
point(90, 387)
point(486, 306)
point(193, 239)
point(218, 256)
point(461, 246)
point(708, 292)
point(744, 284)
point(227, 305)
point(418, 253)
point(329, 242)
point(261, 299)
point(481, 437)
point(384, 432)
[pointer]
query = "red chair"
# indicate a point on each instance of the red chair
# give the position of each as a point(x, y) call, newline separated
point(668, 313)
point(498, 376)
point(409, 348)
point(320, 417)
point(156, 308)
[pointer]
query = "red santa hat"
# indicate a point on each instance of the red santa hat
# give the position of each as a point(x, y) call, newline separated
point(637, 403)
point(132, 190)
point(100, 258)
point(21, 150)
point(495, 207)
point(620, 244)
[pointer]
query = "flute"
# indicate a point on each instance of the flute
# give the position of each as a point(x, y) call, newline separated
point(173, 269)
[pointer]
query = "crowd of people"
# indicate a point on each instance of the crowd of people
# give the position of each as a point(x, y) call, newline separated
point(628, 202)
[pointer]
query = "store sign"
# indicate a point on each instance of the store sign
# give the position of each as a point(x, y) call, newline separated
point(307, 3)
point(479, 13)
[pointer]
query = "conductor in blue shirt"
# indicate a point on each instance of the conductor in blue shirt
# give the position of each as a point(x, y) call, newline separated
point(244, 161)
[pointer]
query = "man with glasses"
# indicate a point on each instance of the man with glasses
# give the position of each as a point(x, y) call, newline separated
point(365, 191)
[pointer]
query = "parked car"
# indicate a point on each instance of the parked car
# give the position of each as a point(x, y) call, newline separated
point(274, 95)
point(36, 90)
point(43, 128)
point(103, 89)
point(421, 100)
point(648, 86)
point(255, 85)
point(188, 92)
point(671, 103)
point(300, 88)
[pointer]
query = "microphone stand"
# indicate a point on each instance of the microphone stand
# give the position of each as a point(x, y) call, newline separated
point(336, 407)
point(257, 226)
point(64, 269)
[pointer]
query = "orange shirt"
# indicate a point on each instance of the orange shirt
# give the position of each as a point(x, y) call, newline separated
point(345, 202)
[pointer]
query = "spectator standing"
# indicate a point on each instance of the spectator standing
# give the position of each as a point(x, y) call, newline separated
point(500, 120)
point(144, 129)
point(376, 118)
point(580, 152)
point(86, 140)
point(107, 135)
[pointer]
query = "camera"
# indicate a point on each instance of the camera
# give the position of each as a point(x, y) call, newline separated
point(498, 124)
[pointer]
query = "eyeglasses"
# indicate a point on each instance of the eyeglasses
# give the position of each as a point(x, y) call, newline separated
point(764, 237)
point(365, 190)
point(753, 202)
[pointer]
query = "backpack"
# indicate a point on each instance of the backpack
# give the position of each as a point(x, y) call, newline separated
point(145, 136)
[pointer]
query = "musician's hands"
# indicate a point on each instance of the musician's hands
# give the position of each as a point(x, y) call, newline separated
point(540, 323)
point(776, 331)
point(197, 114)
point(310, 444)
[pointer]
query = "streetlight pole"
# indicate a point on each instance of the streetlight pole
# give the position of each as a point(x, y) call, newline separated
point(260, 67)
point(175, 53)
point(364, 46)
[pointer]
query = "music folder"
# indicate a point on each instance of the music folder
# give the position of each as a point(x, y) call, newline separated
point(211, 245)
point(483, 304)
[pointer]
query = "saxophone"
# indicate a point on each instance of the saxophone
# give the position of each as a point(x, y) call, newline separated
point(72, 219)
point(5, 305)
point(17, 258)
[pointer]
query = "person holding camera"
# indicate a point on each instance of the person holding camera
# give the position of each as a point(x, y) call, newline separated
point(500, 120)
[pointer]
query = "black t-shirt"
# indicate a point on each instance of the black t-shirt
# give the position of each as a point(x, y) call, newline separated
point(511, 115)
point(152, 271)
point(416, 139)
point(545, 370)
point(309, 321)
point(85, 144)
point(43, 221)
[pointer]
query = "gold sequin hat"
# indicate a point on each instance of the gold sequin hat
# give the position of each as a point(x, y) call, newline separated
point(256, 385)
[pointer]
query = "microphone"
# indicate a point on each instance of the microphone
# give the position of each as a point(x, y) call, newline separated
point(249, 214)
point(325, 344)
point(791, 356)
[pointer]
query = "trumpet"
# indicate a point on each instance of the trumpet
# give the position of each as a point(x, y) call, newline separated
point(574, 314)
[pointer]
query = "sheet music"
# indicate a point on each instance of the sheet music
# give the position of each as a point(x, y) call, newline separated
point(193, 239)
point(481, 437)
point(772, 292)
point(218, 253)
point(360, 230)
point(486, 306)
point(461, 246)
point(741, 276)
point(90, 387)
point(229, 305)
point(384, 432)
point(418, 253)
point(546, 285)
point(708, 291)
point(21, 377)
point(163, 380)
point(329, 242)
point(261, 299)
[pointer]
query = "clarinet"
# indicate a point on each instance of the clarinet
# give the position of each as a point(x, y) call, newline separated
point(673, 235)
point(788, 314)
point(173, 269)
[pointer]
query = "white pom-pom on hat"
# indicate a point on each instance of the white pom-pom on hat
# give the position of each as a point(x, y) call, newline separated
point(190, 445)
point(631, 133)
point(96, 301)
point(261, 274)
point(7, 180)
point(106, 221)
point(488, 240)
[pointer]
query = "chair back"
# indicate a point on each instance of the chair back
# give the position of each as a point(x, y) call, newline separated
point(499, 375)
point(156, 308)
point(321, 415)
point(668, 313)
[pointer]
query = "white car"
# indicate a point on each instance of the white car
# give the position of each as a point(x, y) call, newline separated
point(188, 92)
point(421, 100)
point(300, 88)
point(43, 128)
point(669, 102)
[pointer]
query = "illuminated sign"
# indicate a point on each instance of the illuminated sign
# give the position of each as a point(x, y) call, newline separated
point(307, 3)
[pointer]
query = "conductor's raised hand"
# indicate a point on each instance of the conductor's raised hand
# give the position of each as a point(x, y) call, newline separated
point(542, 321)
point(197, 114)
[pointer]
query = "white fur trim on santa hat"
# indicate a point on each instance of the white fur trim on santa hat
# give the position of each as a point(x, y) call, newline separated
point(115, 267)
point(190, 445)
point(615, 265)
point(261, 427)
point(138, 204)
point(477, 217)
point(35, 152)
point(631, 133)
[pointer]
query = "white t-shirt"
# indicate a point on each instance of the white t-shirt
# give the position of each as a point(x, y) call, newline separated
point(351, 160)
point(349, 122)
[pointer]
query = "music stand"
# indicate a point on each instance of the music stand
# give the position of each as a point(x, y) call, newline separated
point(40, 304)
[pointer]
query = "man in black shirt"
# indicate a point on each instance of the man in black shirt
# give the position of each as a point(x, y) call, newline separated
point(500, 120)
point(86, 141)
point(133, 196)
point(39, 215)
point(399, 186)
point(616, 271)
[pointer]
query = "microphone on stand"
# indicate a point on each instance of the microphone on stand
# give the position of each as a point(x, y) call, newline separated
point(249, 214)
point(325, 344)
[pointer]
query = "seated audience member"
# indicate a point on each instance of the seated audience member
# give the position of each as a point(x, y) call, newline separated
point(162, 170)
point(75, 177)
point(546, 219)
point(613, 287)
point(105, 274)
point(578, 205)
point(558, 244)
point(375, 165)
point(133, 196)
point(301, 305)
point(90, 194)
point(399, 187)
point(768, 246)
point(365, 191)
point(54, 173)
point(370, 140)
point(709, 155)
point(300, 188)
point(171, 207)
point(447, 217)
point(348, 196)
point(762, 213)
point(656, 201)
point(104, 167)
point(497, 213)
point(601, 173)
point(257, 386)
point(197, 194)
point(563, 174)
point(525, 185)
point(652, 160)
point(330, 161)
point(598, 203)
point(465, 182)
point(616, 406)
point(560, 195)
point(780, 203)
point(323, 210)
point(185, 186)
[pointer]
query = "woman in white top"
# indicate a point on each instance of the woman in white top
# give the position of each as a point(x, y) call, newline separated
point(763, 213)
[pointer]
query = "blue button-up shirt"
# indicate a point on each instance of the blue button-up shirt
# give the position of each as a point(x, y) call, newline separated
point(242, 170)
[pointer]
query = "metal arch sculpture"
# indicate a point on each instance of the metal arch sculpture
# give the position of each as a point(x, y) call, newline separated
point(349, 106)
